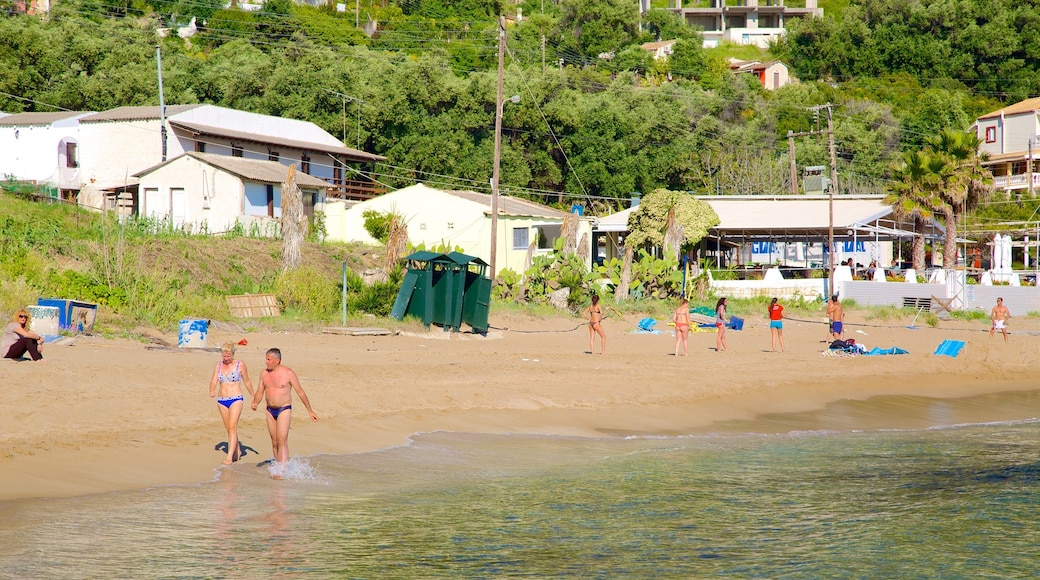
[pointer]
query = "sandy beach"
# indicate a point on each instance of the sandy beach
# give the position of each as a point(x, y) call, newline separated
point(110, 415)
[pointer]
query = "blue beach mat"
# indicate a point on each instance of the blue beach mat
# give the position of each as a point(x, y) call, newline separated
point(882, 351)
point(950, 348)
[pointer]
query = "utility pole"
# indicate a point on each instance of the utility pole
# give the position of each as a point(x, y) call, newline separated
point(543, 54)
point(794, 168)
point(162, 103)
point(830, 190)
point(498, 143)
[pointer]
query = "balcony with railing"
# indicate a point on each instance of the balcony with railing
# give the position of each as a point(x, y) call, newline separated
point(1019, 181)
point(356, 189)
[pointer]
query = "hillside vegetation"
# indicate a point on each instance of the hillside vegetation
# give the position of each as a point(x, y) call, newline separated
point(586, 129)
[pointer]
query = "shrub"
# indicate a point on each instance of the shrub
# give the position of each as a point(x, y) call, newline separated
point(307, 289)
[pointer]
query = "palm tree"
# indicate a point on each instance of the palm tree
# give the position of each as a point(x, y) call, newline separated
point(966, 182)
point(916, 195)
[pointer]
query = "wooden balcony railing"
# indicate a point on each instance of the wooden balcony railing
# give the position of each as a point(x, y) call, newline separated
point(355, 189)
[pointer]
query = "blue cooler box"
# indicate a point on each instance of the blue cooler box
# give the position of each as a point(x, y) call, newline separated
point(72, 314)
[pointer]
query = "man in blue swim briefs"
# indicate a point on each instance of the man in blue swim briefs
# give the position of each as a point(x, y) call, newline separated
point(836, 314)
point(277, 383)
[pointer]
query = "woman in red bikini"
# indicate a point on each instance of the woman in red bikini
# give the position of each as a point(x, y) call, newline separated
point(229, 376)
point(681, 318)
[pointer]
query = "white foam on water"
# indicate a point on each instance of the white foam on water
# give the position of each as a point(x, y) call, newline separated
point(297, 468)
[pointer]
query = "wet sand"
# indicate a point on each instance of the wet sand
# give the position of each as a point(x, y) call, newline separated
point(111, 415)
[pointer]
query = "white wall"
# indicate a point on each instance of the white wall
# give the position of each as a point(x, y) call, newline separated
point(112, 152)
point(996, 147)
point(34, 154)
point(1018, 130)
point(214, 197)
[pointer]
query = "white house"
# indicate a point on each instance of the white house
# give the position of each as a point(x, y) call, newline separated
point(1011, 138)
point(210, 192)
point(118, 143)
point(460, 219)
point(746, 22)
point(94, 156)
point(41, 147)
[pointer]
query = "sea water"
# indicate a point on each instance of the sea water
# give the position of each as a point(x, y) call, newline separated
point(810, 495)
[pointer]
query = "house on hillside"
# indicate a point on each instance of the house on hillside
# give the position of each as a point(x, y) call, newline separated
point(42, 148)
point(790, 230)
point(1011, 138)
point(112, 146)
point(460, 219)
point(659, 50)
point(208, 192)
point(771, 75)
point(746, 22)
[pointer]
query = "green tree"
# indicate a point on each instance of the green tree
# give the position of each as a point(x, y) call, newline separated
point(649, 223)
point(966, 182)
point(593, 27)
point(916, 195)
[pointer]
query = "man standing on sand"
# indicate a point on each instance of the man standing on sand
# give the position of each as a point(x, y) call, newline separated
point(999, 317)
point(836, 314)
point(277, 382)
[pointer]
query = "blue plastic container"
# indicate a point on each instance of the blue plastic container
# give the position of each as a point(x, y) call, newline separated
point(192, 333)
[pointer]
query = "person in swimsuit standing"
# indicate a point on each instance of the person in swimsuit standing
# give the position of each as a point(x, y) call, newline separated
point(776, 324)
point(226, 386)
point(999, 317)
point(594, 314)
point(278, 382)
point(720, 324)
point(681, 318)
point(836, 314)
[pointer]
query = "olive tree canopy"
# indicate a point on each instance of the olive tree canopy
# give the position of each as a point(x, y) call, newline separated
point(649, 222)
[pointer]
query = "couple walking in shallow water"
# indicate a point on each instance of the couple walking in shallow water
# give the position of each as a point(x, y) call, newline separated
point(277, 382)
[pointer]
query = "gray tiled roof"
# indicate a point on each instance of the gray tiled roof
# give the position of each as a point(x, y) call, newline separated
point(135, 113)
point(249, 169)
point(512, 205)
point(24, 119)
point(276, 140)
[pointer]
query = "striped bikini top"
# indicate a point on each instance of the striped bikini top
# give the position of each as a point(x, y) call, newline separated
point(232, 377)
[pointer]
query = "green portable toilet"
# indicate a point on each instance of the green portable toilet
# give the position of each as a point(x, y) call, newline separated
point(416, 295)
point(476, 292)
point(446, 290)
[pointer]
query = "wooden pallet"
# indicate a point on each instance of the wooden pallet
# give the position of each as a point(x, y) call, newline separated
point(253, 305)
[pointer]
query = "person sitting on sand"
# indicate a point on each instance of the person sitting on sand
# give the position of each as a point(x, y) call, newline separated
point(226, 386)
point(277, 383)
point(681, 318)
point(594, 314)
point(18, 339)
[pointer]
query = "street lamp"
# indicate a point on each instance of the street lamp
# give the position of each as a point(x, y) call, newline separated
point(345, 99)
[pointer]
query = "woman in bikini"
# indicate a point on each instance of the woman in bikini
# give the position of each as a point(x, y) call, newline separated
point(226, 385)
point(594, 314)
point(720, 324)
point(681, 318)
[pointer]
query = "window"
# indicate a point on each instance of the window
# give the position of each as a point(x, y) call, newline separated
point(70, 155)
point(272, 155)
point(1018, 168)
point(270, 200)
point(200, 146)
point(305, 164)
point(991, 134)
point(521, 238)
point(236, 150)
